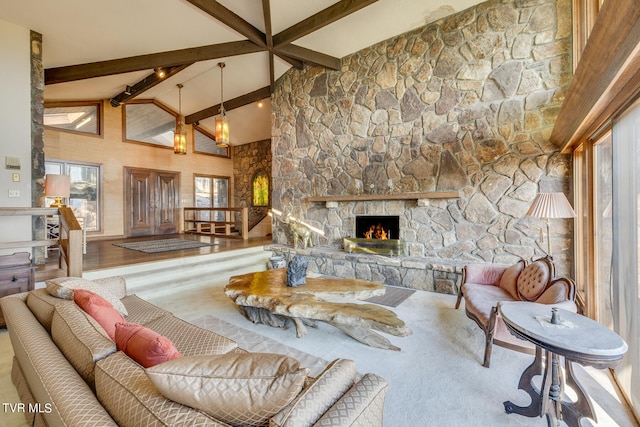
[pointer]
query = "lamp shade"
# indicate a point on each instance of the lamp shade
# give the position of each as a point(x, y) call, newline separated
point(57, 186)
point(222, 131)
point(551, 205)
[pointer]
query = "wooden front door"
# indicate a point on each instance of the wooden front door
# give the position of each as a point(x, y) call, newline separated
point(151, 202)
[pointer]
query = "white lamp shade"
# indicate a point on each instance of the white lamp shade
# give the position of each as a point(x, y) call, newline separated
point(57, 186)
point(551, 205)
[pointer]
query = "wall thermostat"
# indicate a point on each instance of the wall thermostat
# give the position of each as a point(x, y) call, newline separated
point(12, 163)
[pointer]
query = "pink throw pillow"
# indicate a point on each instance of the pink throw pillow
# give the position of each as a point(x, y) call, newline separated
point(100, 309)
point(143, 345)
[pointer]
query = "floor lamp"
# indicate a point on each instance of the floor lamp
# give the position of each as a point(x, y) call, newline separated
point(550, 205)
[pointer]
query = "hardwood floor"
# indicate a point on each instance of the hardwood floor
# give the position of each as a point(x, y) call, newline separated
point(103, 254)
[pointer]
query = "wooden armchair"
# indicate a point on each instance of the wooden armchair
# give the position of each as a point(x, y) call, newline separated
point(485, 286)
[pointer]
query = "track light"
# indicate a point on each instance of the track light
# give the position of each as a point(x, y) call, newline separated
point(260, 104)
point(128, 90)
point(160, 73)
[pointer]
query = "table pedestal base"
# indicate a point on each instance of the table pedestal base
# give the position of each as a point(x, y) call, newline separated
point(548, 400)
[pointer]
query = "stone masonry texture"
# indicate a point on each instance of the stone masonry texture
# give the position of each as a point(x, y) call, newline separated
point(249, 159)
point(466, 103)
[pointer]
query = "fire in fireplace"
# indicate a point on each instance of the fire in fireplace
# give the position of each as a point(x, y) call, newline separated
point(377, 227)
point(376, 235)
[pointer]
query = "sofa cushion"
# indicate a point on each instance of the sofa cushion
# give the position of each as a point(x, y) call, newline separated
point(52, 380)
point(239, 389)
point(355, 407)
point(100, 309)
point(42, 305)
point(143, 345)
point(141, 311)
point(319, 396)
point(190, 339)
point(81, 339)
point(132, 400)
point(112, 289)
point(509, 279)
point(533, 280)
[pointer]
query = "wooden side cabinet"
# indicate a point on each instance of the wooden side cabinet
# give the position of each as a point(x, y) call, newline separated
point(16, 275)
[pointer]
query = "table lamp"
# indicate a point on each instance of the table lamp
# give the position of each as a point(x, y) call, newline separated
point(58, 187)
point(550, 205)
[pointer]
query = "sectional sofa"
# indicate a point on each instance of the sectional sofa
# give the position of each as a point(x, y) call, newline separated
point(69, 372)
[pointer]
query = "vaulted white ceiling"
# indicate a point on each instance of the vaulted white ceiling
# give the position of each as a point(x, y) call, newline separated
point(79, 31)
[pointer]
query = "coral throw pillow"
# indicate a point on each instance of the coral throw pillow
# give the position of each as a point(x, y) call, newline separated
point(100, 309)
point(143, 345)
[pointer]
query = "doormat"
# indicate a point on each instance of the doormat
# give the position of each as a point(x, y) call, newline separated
point(393, 296)
point(163, 245)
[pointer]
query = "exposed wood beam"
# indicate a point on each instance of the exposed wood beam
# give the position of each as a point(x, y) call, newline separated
point(319, 20)
point(231, 20)
point(145, 84)
point(145, 62)
point(229, 105)
point(266, 12)
point(606, 73)
point(308, 55)
point(298, 65)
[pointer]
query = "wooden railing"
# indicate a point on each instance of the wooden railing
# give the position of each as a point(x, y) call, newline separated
point(70, 240)
point(201, 221)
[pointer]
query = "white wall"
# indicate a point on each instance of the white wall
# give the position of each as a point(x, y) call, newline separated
point(15, 129)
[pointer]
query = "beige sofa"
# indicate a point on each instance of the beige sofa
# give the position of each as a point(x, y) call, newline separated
point(68, 372)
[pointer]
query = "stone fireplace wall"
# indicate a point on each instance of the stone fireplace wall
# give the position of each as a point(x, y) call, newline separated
point(466, 103)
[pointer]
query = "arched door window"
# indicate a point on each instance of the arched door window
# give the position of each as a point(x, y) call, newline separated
point(260, 189)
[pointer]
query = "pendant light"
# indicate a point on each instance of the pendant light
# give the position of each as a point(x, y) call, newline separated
point(180, 135)
point(222, 123)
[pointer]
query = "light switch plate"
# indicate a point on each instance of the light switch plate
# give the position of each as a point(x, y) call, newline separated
point(15, 177)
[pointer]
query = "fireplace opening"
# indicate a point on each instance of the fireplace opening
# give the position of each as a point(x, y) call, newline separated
point(377, 227)
point(378, 235)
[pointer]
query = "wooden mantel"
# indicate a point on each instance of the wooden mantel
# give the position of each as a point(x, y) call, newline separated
point(383, 197)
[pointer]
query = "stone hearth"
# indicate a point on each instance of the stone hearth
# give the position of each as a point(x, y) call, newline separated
point(429, 274)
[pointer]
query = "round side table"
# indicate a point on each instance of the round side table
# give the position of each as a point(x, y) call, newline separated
point(575, 338)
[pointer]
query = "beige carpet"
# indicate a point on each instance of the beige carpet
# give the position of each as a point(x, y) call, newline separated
point(436, 379)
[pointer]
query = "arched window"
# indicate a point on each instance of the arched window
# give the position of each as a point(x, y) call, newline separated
point(260, 189)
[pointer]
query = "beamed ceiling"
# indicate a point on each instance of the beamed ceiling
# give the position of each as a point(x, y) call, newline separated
point(95, 50)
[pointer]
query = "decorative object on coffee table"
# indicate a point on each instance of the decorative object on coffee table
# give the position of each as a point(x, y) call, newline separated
point(297, 271)
point(264, 297)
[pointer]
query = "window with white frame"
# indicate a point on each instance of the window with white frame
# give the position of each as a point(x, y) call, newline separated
point(86, 190)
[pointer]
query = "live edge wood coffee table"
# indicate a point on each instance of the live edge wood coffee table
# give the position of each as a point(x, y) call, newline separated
point(264, 297)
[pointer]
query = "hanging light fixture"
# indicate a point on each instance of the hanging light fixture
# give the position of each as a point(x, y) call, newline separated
point(222, 123)
point(180, 135)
